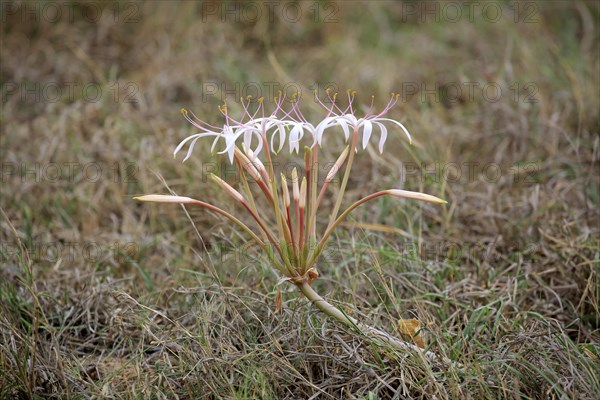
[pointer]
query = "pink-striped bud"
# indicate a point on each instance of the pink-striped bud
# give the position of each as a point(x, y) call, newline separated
point(248, 165)
point(338, 164)
point(286, 192)
point(228, 188)
point(255, 160)
point(415, 196)
point(295, 185)
point(162, 198)
point(302, 203)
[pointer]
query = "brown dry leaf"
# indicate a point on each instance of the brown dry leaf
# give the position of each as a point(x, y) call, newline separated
point(409, 329)
point(312, 275)
point(590, 353)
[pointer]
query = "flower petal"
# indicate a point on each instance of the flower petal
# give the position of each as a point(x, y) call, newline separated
point(351, 119)
point(248, 138)
point(400, 125)
point(183, 142)
point(281, 129)
point(383, 135)
point(326, 123)
point(344, 126)
point(194, 138)
point(296, 135)
point(190, 148)
point(367, 129)
point(230, 138)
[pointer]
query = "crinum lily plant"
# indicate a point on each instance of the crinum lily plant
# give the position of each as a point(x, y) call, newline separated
point(287, 229)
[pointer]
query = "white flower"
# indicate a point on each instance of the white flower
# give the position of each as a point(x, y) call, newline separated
point(194, 139)
point(273, 131)
point(255, 128)
point(229, 133)
point(346, 121)
point(297, 133)
point(259, 126)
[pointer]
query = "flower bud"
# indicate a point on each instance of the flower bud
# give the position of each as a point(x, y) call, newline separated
point(338, 163)
point(286, 192)
point(228, 188)
point(303, 193)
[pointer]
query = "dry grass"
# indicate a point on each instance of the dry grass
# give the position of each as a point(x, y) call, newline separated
point(101, 297)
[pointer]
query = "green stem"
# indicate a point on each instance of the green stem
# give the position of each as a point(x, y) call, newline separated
point(340, 197)
point(373, 334)
point(282, 227)
point(308, 165)
point(313, 194)
point(246, 186)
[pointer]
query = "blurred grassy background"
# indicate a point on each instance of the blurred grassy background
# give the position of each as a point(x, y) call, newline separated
point(101, 296)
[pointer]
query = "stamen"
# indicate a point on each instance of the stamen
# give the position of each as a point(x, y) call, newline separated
point(391, 103)
point(333, 105)
point(370, 110)
point(186, 114)
point(350, 100)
